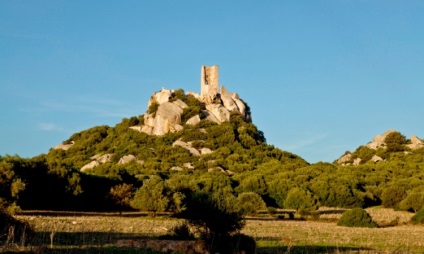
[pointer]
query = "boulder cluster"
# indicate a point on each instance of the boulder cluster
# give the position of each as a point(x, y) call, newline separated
point(100, 159)
point(379, 142)
point(167, 118)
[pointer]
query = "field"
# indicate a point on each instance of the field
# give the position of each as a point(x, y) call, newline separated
point(98, 233)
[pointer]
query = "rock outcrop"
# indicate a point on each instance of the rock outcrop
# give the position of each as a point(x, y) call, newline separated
point(186, 146)
point(220, 113)
point(102, 158)
point(345, 159)
point(379, 142)
point(217, 106)
point(64, 146)
point(194, 120)
point(166, 119)
point(416, 143)
point(128, 158)
point(89, 166)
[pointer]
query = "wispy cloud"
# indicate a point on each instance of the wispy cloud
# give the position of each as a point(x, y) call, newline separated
point(98, 107)
point(49, 127)
point(307, 141)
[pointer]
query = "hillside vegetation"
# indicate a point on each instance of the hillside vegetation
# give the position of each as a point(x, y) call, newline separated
point(232, 162)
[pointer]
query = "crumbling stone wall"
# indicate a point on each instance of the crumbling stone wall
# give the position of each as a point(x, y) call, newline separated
point(209, 79)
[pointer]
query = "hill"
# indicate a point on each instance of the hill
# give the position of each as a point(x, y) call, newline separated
point(207, 142)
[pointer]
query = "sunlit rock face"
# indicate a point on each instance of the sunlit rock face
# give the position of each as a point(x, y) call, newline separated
point(218, 105)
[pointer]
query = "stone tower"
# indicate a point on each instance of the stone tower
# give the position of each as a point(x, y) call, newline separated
point(209, 80)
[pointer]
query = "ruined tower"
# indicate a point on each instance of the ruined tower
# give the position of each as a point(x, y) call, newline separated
point(209, 80)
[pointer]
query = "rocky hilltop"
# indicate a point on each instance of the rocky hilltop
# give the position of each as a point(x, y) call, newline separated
point(166, 109)
point(379, 146)
point(183, 117)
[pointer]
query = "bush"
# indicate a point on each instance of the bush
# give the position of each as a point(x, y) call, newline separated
point(356, 217)
point(418, 218)
point(248, 203)
point(179, 232)
point(13, 230)
point(302, 200)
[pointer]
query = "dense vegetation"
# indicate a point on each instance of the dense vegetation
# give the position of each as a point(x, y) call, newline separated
point(242, 170)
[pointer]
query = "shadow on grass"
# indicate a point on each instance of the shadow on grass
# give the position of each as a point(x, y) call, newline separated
point(76, 242)
point(82, 238)
point(79, 250)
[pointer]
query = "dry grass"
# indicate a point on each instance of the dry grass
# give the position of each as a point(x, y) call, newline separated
point(318, 235)
point(272, 236)
point(325, 236)
point(142, 226)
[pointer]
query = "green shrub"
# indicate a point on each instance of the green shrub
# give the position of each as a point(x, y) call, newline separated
point(248, 203)
point(302, 200)
point(418, 218)
point(356, 217)
point(153, 108)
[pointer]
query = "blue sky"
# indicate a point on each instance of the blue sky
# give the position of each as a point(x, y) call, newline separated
point(321, 77)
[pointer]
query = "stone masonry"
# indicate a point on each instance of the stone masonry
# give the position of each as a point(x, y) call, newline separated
point(209, 80)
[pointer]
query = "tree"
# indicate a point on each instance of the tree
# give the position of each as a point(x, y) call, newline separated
point(395, 142)
point(10, 187)
point(253, 183)
point(302, 200)
point(215, 222)
point(248, 203)
point(151, 196)
point(278, 189)
point(122, 194)
point(394, 193)
point(414, 200)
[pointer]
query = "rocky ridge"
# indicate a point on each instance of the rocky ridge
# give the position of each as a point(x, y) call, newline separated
point(377, 143)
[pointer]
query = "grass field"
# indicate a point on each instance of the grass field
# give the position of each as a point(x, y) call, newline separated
point(97, 234)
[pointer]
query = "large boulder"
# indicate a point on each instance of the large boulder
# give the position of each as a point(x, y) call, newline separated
point(64, 146)
point(167, 115)
point(161, 97)
point(128, 158)
point(344, 160)
point(378, 140)
point(104, 158)
point(219, 111)
point(186, 146)
point(416, 143)
point(89, 166)
point(193, 120)
point(241, 107)
point(211, 117)
point(229, 103)
point(376, 158)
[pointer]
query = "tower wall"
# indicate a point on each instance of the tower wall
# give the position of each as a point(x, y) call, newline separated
point(209, 79)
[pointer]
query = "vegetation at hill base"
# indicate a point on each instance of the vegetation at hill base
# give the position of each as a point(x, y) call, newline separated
point(241, 166)
point(418, 218)
point(356, 217)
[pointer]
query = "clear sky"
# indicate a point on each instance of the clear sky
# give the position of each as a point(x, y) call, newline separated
point(321, 77)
